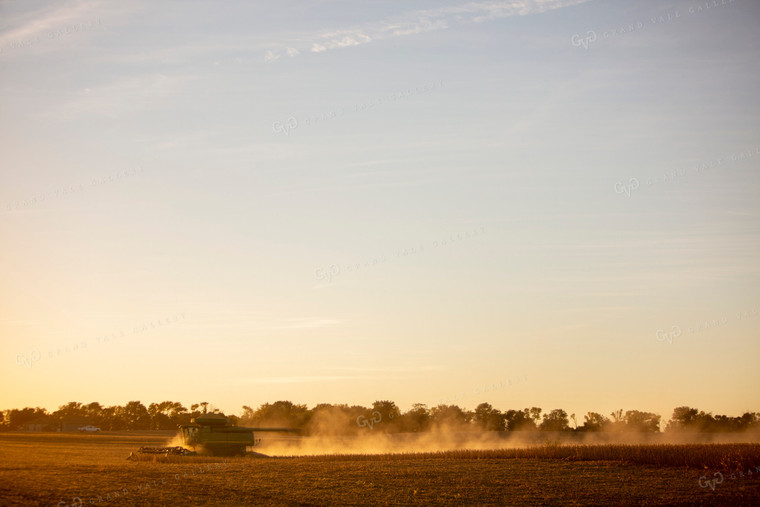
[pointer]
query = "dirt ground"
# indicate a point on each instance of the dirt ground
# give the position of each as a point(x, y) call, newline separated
point(79, 470)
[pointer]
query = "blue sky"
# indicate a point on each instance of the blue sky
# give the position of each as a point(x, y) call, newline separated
point(348, 201)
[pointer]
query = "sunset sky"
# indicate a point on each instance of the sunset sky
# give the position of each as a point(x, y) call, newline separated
point(336, 201)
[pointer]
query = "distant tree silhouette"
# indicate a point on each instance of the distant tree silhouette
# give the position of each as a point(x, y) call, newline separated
point(594, 421)
point(136, 416)
point(694, 420)
point(416, 419)
point(280, 413)
point(448, 416)
point(246, 418)
point(535, 414)
point(164, 415)
point(556, 420)
point(683, 417)
point(14, 419)
point(389, 413)
point(489, 418)
point(519, 420)
point(341, 419)
point(71, 409)
point(636, 420)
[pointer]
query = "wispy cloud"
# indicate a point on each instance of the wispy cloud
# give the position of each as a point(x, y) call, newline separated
point(122, 97)
point(397, 369)
point(53, 27)
point(303, 379)
point(306, 323)
point(414, 22)
point(35, 24)
point(243, 320)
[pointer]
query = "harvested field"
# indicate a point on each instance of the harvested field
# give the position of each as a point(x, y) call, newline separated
point(45, 469)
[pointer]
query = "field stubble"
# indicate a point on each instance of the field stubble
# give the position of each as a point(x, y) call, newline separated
point(64, 470)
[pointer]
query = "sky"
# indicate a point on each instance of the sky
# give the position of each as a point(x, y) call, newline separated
point(527, 203)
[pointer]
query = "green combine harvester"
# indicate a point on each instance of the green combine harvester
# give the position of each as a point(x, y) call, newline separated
point(212, 434)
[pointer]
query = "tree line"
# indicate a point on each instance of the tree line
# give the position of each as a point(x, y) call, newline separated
point(383, 415)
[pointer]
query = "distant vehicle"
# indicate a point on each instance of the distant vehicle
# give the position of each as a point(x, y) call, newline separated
point(89, 429)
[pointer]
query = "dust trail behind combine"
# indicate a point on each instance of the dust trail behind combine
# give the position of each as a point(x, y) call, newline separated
point(370, 442)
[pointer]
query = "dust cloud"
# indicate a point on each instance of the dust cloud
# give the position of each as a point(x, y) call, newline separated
point(449, 438)
point(332, 432)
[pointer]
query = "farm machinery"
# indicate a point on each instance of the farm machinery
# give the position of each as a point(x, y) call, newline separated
point(212, 434)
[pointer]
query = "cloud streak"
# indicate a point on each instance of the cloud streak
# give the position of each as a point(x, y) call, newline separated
point(414, 22)
point(304, 379)
point(39, 22)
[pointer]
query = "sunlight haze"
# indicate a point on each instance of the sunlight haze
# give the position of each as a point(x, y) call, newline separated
point(528, 203)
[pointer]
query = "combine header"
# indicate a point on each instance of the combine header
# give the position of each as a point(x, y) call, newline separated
point(167, 451)
point(212, 434)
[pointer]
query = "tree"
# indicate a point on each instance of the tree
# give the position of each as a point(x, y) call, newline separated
point(449, 416)
point(280, 413)
point(111, 419)
point(519, 420)
point(416, 419)
point(748, 421)
point(93, 411)
point(17, 418)
point(618, 420)
point(683, 417)
point(247, 416)
point(159, 415)
point(71, 409)
point(389, 413)
point(556, 420)
point(136, 416)
point(691, 419)
point(636, 420)
point(489, 418)
point(178, 414)
point(594, 421)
